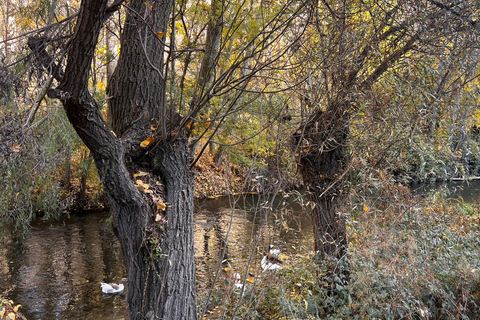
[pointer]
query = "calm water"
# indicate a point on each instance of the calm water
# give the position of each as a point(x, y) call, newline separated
point(56, 272)
point(469, 191)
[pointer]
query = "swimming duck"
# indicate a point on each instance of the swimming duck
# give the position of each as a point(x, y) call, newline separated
point(237, 279)
point(113, 288)
point(273, 252)
point(271, 260)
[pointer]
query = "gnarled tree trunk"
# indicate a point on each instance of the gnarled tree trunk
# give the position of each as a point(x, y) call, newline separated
point(160, 264)
point(322, 161)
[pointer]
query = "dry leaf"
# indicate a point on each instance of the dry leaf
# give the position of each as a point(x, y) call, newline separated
point(158, 217)
point(145, 143)
point(365, 208)
point(15, 147)
point(161, 206)
point(160, 34)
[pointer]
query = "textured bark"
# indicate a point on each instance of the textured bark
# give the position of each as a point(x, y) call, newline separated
point(160, 286)
point(176, 272)
point(137, 86)
point(322, 161)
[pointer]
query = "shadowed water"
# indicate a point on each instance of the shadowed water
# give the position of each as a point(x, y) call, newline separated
point(56, 272)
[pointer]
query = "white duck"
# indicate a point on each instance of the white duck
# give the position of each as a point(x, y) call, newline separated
point(237, 279)
point(113, 288)
point(271, 261)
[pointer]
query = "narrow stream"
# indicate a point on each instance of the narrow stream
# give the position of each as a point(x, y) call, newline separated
point(56, 272)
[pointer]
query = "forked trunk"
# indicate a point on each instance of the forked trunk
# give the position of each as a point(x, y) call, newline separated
point(158, 254)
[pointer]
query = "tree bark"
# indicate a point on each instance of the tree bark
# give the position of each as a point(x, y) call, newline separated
point(322, 160)
point(137, 82)
point(160, 264)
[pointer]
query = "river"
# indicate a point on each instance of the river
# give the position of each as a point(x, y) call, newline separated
point(56, 272)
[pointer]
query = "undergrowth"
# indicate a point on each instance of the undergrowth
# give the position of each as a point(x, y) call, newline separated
point(410, 258)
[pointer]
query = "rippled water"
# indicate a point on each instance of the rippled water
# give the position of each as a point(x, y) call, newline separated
point(56, 272)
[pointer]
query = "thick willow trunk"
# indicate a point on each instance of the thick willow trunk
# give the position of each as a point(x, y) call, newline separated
point(176, 270)
point(160, 266)
point(137, 87)
point(322, 161)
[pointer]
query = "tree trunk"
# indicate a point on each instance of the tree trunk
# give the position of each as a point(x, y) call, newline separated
point(176, 272)
point(137, 84)
point(322, 160)
point(160, 264)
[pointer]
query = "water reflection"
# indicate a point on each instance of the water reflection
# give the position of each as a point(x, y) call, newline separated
point(56, 272)
point(468, 191)
point(256, 224)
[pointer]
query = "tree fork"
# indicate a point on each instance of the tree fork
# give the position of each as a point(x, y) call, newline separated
point(161, 288)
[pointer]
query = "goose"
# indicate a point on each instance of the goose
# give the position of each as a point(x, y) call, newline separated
point(270, 260)
point(113, 288)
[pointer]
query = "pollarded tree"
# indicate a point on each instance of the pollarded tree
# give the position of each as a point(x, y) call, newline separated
point(352, 46)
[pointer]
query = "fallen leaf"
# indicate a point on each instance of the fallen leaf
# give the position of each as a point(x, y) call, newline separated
point(158, 217)
point(161, 206)
point(365, 208)
point(15, 147)
point(160, 34)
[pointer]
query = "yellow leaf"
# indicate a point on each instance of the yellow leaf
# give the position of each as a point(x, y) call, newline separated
point(145, 143)
point(15, 147)
point(17, 307)
point(160, 34)
point(154, 126)
point(189, 125)
point(250, 280)
point(161, 206)
point(158, 217)
point(365, 208)
point(11, 316)
point(142, 173)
